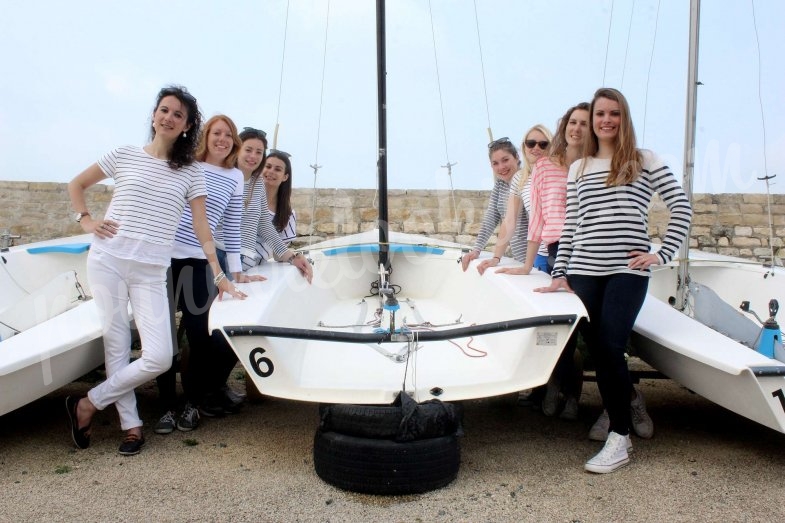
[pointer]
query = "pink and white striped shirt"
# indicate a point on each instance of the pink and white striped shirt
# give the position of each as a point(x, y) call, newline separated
point(548, 201)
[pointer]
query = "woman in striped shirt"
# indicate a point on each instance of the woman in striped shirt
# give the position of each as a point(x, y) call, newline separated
point(258, 231)
point(505, 162)
point(130, 252)
point(604, 257)
point(193, 292)
point(277, 174)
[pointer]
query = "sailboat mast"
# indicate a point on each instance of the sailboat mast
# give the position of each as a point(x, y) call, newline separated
point(689, 144)
point(381, 166)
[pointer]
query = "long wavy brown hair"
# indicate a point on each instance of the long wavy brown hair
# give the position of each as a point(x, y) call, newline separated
point(558, 149)
point(201, 149)
point(626, 163)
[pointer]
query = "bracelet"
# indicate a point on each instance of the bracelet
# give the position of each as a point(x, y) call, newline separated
point(219, 278)
point(295, 255)
point(497, 258)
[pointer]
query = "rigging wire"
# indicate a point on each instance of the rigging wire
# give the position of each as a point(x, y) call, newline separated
point(760, 95)
point(627, 47)
point(280, 81)
point(315, 165)
point(607, 44)
point(648, 74)
point(766, 176)
point(449, 165)
point(482, 68)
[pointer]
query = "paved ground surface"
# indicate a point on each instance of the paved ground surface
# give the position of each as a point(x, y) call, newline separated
point(704, 464)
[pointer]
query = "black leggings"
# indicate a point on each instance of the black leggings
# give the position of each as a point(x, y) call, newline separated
point(613, 303)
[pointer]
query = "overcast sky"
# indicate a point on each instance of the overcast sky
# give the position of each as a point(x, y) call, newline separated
point(80, 78)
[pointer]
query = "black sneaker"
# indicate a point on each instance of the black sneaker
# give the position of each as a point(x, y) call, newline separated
point(166, 424)
point(131, 445)
point(212, 406)
point(189, 419)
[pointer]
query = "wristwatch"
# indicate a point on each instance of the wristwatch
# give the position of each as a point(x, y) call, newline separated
point(78, 216)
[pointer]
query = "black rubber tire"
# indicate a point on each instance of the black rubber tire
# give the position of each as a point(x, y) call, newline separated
point(384, 421)
point(377, 466)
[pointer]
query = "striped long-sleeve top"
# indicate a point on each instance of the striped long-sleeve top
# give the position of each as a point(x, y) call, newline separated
point(224, 207)
point(257, 225)
point(287, 234)
point(604, 224)
point(494, 214)
point(549, 201)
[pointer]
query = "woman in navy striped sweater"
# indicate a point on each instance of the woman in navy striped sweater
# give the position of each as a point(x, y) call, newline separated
point(194, 292)
point(604, 257)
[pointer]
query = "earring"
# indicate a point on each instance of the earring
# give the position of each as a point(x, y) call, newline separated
point(184, 134)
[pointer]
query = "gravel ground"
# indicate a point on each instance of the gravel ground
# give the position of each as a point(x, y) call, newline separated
point(703, 464)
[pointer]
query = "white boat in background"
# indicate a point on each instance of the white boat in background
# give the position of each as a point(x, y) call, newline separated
point(50, 332)
point(720, 366)
point(455, 336)
point(690, 327)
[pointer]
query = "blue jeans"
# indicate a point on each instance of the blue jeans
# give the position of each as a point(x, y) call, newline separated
point(541, 263)
point(613, 303)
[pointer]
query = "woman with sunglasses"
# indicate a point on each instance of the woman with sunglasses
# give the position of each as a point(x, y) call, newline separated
point(193, 293)
point(604, 257)
point(548, 201)
point(505, 162)
point(130, 253)
point(534, 145)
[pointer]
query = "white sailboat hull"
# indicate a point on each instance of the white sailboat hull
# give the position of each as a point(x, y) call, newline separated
point(49, 335)
point(432, 291)
point(705, 361)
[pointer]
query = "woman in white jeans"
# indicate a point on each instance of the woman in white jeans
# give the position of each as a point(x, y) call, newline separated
point(131, 251)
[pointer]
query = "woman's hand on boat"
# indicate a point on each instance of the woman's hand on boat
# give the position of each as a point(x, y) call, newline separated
point(302, 263)
point(487, 264)
point(241, 277)
point(227, 286)
point(642, 260)
point(557, 284)
point(514, 270)
point(101, 228)
point(467, 258)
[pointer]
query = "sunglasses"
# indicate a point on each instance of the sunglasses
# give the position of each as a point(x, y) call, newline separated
point(531, 143)
point(500, 141)
point(284, 153)
point(258, 132)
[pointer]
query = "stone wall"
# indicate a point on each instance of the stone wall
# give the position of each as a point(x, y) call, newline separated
point(733, 224)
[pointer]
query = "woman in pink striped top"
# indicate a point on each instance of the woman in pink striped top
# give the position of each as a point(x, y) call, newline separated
point(549, 187)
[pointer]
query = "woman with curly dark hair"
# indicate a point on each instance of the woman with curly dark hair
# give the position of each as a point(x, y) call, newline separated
point(131, 251)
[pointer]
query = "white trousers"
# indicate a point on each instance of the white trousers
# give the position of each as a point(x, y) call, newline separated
point(113, 282)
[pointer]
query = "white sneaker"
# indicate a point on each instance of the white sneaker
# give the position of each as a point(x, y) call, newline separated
point(550, 403)
point(599, 431)
point(570, 411)
point(641, 422)
point(612, 456)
